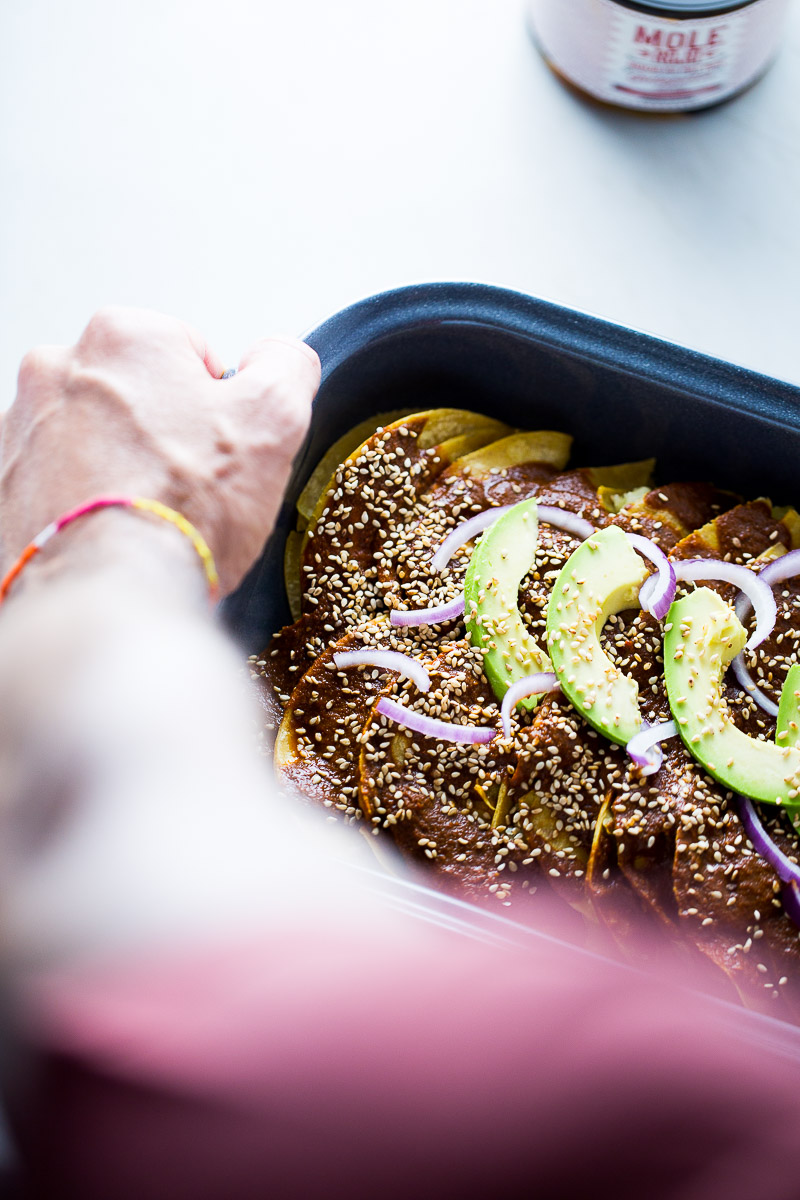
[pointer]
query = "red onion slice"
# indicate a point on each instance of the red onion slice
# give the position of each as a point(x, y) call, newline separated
point(658, 591)
point(757, 591)
point(651, 587)
point(790, 895)
point(645, 746)
point(470, 529)
point(567, 521)
point(531, 685)
point(430, 727)
point(748, 684)
point(464, 533)
point(429, 616)
point(785, 567)
point(646, 590)
point(389, 660)
point(786, 870)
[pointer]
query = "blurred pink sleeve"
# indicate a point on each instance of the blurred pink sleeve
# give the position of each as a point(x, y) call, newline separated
point(346, 1066)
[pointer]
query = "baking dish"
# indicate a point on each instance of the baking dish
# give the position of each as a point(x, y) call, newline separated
point(621, 394)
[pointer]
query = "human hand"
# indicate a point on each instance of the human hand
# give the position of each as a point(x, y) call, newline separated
point(137, 408)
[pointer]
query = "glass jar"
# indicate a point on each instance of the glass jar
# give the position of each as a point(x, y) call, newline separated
point(662, 55)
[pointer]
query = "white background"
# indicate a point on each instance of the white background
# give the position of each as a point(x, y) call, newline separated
point(253, 167)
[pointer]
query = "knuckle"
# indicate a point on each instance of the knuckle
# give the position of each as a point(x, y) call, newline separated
point(38, 367)
point(30, 370)
point(116, 329)
point(109, 324)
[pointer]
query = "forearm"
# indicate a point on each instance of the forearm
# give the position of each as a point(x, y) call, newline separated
point(134, 803)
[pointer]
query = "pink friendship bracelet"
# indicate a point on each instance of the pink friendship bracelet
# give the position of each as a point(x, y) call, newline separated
point(153, 506)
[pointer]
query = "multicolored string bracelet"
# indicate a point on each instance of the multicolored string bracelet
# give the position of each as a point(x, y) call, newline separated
point(152, 506)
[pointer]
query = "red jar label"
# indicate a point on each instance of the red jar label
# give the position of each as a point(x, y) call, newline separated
point(659, 64)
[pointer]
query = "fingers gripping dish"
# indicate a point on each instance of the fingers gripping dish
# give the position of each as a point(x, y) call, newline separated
point(530, 675)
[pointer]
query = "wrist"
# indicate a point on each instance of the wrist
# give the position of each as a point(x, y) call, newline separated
point(134, 548)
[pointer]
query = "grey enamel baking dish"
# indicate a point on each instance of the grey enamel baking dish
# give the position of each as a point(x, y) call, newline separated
point(622, 394)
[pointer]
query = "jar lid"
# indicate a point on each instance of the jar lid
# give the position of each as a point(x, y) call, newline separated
point(696, 7)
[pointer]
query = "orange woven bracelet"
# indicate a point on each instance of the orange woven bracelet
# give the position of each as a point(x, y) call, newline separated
point(152, 506)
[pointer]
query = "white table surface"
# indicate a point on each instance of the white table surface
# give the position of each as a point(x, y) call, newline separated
point(254, 167)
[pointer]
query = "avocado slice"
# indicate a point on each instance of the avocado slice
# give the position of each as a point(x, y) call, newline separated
point(603, 576)
point(787, 727)
point(702, 636)
point(500, 561)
